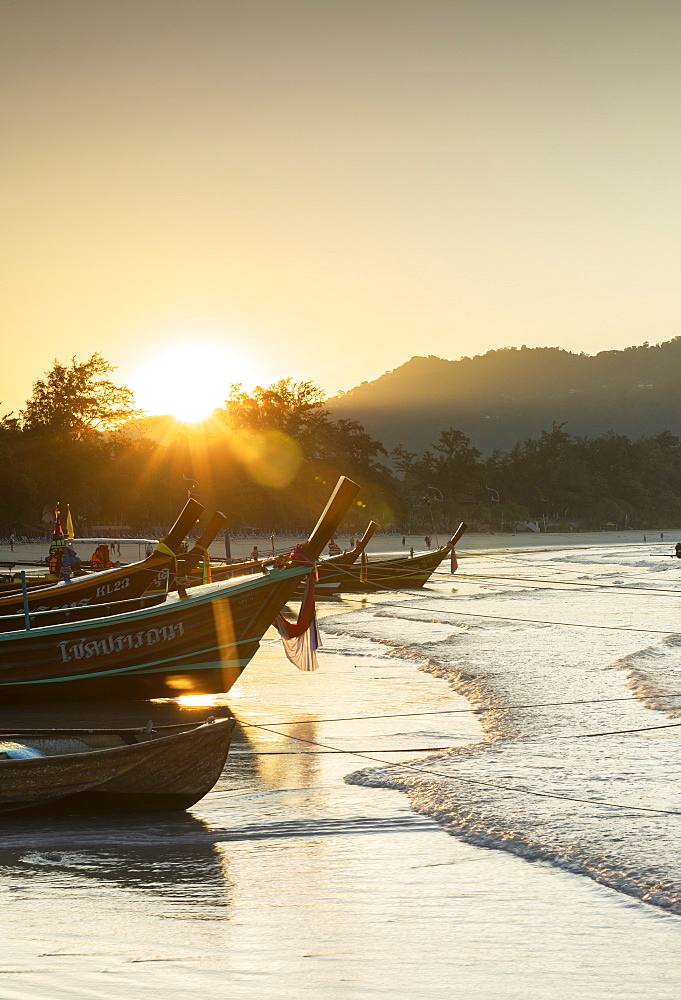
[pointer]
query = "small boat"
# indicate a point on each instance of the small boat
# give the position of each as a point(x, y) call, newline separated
point(196, 641)
point(405, 573)
point(331, 572)
point(153, 596)
point(111, 770)
point(328, 572)
point(121, 583)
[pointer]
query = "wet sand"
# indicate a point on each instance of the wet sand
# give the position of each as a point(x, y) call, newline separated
point(288, 881)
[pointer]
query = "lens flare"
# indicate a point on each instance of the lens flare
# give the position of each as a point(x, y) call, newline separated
point(271, 458)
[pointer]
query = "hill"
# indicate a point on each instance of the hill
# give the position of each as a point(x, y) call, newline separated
point(510, 394)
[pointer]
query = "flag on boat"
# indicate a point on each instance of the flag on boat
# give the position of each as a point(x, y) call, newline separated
point(70, 533)
point(302, 639)
point(57, 530)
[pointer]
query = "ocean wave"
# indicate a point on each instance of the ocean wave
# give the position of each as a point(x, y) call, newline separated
point(537, 783)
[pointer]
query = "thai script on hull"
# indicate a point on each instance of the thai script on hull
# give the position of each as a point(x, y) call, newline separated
point(82, 603)
point(86, 649)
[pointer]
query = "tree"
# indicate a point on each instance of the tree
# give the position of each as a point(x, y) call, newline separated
point(76, 400)
point(295, 408)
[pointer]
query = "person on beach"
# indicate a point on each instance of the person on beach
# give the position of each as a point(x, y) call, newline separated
point(255, 554)
point(404, 540)
point(427, 541)
point(662, 536)
point(645, 539)
point(677, 549)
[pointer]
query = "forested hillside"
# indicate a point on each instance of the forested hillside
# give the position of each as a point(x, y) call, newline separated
point(505, 396)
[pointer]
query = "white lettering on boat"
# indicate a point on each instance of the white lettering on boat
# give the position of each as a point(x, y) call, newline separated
point(83, 602)
point(83, 650)
point(113, 587)
point(160, 580)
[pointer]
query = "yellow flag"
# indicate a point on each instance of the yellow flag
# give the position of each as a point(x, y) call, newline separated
point(69, 523)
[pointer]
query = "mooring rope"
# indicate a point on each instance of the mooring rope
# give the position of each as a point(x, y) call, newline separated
point(572, 584)
point(510, 618)
point(472, 781)
point(471, 711)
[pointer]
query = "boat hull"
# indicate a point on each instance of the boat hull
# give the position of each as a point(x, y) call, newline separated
point(157, 774)
point(387, 574)
point(199, 644)
point(122, 583)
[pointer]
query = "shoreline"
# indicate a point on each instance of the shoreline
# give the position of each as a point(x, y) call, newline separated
point(472, 543)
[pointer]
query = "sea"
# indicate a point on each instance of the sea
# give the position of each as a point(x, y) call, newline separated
point(476, 796)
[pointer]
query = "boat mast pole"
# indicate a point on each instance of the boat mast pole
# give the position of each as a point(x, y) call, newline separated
point(334, 512)
point(24, 591)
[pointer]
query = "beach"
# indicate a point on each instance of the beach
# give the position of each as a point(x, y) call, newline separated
point(321, 866)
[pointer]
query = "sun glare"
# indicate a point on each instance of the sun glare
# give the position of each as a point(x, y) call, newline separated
point(189, 381)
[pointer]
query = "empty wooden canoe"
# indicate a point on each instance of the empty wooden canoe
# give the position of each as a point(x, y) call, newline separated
point(121, 770)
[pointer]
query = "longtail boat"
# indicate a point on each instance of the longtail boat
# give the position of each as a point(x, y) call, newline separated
point(331, 572)
point(197, 641)
point(328, 572)
point(405, 573)
point(123, 582)
point(154, 596)
point(111, 770)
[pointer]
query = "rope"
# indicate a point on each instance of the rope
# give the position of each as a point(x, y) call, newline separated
point(472, 781)
point(467, 711)
point(574, 584)
point(528, 621)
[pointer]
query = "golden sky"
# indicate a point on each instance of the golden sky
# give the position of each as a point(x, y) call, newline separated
point(324, 188)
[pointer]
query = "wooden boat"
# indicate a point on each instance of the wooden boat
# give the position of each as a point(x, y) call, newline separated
point(196, 641)
point(328, 573)
point(405, 573)
point(153, 596)
point(111, 770)
point(331, 572)
point(123, 582)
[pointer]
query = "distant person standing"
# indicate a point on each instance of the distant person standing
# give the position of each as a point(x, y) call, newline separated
point(12, 540)
point(427, 541)
point(255, 554)
point(404, 540)
point(677, 549)
point(662, 536)
point(645, 539)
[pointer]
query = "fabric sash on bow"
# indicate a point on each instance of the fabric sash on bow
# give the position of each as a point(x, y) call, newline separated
point(363, 570)
point(207, 576)
point(301, 639)
point(453, 564)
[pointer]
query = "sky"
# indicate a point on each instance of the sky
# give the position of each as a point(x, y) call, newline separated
point(324, 188)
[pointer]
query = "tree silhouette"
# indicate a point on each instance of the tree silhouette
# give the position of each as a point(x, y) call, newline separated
point(76, 400)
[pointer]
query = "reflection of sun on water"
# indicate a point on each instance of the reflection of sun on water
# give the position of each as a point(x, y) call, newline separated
point(189, 381)
point(198, 700)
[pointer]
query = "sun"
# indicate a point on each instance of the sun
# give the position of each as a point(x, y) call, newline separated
point(189, 380)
